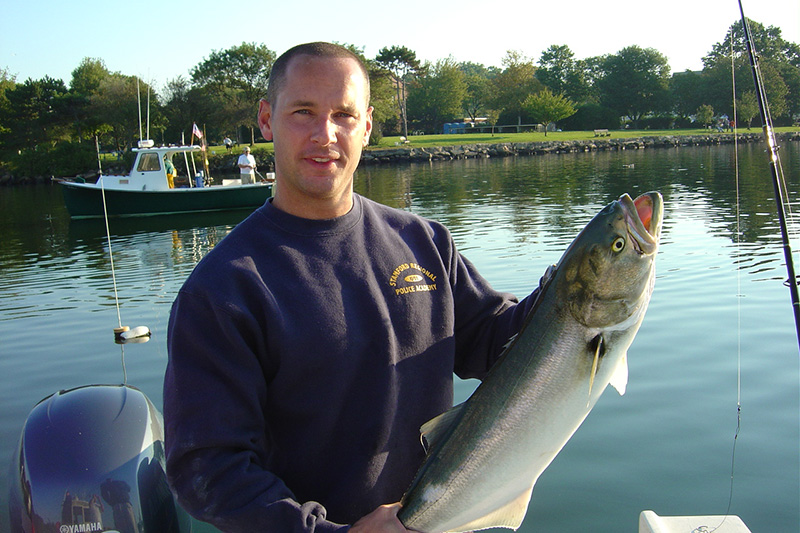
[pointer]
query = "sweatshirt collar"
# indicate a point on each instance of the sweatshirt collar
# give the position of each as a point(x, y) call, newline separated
point(313, 228)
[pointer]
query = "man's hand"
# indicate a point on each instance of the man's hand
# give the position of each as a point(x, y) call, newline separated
point(381, 520)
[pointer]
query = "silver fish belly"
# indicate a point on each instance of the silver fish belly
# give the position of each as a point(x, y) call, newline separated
point(485, 455)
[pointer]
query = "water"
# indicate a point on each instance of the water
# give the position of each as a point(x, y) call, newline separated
point(666, 445)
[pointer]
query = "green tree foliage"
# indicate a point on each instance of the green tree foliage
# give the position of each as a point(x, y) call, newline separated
point(88, 75)
point(86, 80)
point(479, 89)
point(546, 107)
point(439, 96)
point(117, 102)
point(635, 82)
point(688, 91)
point(186, 105)
point(515, 83)
point(401, 63)
point(237, 76)
point(32, 116)
point(7, 83)
point(563, 74)
point(768, 41)
point(705, 114)
point(779, 62)
point(747, 108)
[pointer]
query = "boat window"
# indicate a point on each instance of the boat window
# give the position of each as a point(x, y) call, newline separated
point(149, 163)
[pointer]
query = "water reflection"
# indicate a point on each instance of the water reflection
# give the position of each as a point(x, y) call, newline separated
point(559, 191)
point(511, 217)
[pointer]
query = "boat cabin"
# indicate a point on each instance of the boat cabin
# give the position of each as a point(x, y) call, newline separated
point(149, 170)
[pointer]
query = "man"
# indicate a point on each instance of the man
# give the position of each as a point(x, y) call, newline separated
point(247, 166)
point(308, 347)
point(170, 170)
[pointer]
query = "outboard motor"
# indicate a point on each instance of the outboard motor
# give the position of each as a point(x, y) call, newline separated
point(92, 459)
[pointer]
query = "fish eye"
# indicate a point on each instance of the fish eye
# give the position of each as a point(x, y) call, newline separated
point(618, 245)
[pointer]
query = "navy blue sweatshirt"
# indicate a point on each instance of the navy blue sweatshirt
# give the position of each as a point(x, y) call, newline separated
point(304, 355)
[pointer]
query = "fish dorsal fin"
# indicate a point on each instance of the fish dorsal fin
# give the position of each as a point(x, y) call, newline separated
point(619, 379)
point(434, 429)
point(509, 516)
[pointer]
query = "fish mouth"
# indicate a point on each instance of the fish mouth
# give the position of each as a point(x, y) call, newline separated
point(644, 216)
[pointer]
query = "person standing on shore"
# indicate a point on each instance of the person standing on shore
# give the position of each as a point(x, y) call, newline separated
point(308, 347)
point(247, 166)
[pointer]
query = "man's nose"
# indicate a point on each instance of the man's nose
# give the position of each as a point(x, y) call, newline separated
point(324, 131)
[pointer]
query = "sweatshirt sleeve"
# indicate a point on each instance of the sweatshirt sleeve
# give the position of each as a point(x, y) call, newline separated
point(219, 476)
point(485, 319)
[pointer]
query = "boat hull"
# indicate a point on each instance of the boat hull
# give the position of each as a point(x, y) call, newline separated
point(86, 200)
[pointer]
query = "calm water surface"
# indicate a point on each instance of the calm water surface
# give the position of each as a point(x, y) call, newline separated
point(666, 445)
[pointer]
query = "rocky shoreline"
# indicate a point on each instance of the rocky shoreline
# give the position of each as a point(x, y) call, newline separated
point(410, 154)
point(483, 150)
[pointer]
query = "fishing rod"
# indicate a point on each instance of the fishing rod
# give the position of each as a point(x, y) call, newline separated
point(774, 165)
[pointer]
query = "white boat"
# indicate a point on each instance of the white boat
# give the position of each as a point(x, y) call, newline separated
point(146, 189)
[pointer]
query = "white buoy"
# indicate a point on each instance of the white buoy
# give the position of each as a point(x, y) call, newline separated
point(124, 334)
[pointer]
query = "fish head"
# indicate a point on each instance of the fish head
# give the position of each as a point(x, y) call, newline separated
point(609, 269)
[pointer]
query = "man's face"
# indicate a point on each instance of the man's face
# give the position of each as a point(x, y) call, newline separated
point(320, 121)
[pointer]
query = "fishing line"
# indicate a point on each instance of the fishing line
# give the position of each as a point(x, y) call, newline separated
point(739, 296)
point(738, 285)
point(117, 331)
point(110, 255)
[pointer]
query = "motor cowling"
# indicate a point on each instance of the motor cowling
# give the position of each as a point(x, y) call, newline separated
point(92, 459)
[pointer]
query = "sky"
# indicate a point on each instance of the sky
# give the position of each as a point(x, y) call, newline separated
point(161, 41)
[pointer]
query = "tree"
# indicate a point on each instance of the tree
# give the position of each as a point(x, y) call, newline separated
point(562, 73)
point(688, 90)
point(7, 83)
point(238, 76)
point(479, 89)
point(515, 83)
point(767, 41)
point(185, 103)
point(635, 82)
point(400, 62)
point(439, 96)
point(31, 117)
point(86, 80)
point(88, 75)
point(546, 107)
point(779, 62)
point(705, 114)
point(747, 108)
point(116, 107)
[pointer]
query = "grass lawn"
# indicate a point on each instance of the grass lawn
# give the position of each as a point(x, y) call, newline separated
point(430, 141)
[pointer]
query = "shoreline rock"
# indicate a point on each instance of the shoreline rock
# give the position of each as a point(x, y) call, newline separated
point(410, 154)
point(483, 150)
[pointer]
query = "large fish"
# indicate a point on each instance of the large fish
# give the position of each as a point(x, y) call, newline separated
point(485, 455)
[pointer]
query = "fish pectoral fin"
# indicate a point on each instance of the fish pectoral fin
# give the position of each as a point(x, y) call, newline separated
point(509, 516)
point(619, 379)
point(434, 429)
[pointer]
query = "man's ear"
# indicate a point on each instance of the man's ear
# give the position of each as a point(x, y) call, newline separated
point(265, 119)
point(368, 131)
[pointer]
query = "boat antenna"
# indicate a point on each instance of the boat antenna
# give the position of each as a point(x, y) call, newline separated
point(139, 106)
point(148, 111)
point(774, 165)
